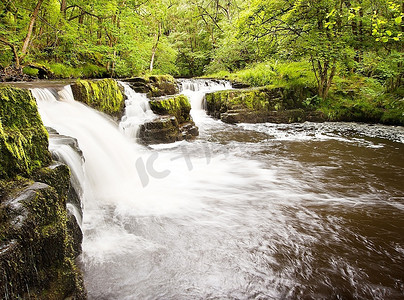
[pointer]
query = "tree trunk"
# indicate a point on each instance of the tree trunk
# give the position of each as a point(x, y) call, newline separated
point(63, 7)
point(323, 77)
point(31, 27)
point(154, 50)
point(15, 52)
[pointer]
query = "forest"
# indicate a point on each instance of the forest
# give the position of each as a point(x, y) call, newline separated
point(345, 44)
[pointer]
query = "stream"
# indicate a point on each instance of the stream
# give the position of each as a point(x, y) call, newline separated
point(247, 211)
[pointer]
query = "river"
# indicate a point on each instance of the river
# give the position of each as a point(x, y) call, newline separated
point(248, 211)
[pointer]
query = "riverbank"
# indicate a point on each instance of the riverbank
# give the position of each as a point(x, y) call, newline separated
point(352, 97)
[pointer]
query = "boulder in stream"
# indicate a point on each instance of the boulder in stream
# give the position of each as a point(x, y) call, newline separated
point(173, 124)
point(104, 95)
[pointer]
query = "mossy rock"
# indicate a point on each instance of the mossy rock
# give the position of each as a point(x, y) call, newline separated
point(257, 105)
point(177, 106)
point(37, 257)
point(43, 72)
point(104, 95)
point(155, 85)
point(256, 99)
point(23, 138)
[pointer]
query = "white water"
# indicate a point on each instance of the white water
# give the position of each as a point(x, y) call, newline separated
point(241, 213)
point(195, 90)
point(137, 112)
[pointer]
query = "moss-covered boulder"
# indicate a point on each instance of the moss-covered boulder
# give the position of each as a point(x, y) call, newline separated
point(177, 106)
point(104, 95)
point(23, 138)
point(266, 104)
point(173, 124)
point(37, 249)
point(154, 86)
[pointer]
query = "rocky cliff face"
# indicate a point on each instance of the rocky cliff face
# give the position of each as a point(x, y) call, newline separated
point(38, 240)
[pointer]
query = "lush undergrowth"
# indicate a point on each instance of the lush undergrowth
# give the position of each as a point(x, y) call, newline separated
point(63, 71)
point(363, 99)
point(273, 73)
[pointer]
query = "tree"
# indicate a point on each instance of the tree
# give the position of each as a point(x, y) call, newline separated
point(307, 28)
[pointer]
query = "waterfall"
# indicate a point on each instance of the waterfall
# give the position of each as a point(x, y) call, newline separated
point(195, 90)
point(108, 174)
point(137, 112)
point(197, 85)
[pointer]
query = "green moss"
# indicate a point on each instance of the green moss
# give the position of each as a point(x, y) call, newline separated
point(23, 138)
point(177, 106)
point(162, 85)
point(360, 99)
point(161, 78)
point(263, 99)
point(104, 95)
point(30, 71)
point(38, 258)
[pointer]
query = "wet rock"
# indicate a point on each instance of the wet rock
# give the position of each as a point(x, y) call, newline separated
point(165, 129)
point(75, 233)
point(162, 85)
point(161, 130)
point(36, 242)
point(174, 124)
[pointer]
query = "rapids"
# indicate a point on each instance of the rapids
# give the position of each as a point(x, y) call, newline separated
point(253, 211)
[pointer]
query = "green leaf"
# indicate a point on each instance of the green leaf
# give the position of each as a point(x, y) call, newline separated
point(385, 39)
point(388, 32)
point(398, 20)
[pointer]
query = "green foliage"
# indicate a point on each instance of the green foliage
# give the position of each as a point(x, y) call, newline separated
point(387, 26)
point(82, 71)
point(274, 72)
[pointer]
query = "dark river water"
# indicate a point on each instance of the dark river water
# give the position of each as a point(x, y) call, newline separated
point(248, 211)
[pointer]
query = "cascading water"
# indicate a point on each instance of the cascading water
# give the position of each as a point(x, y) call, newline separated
point(195, 90)
point(137, 112)
point(244, 212)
